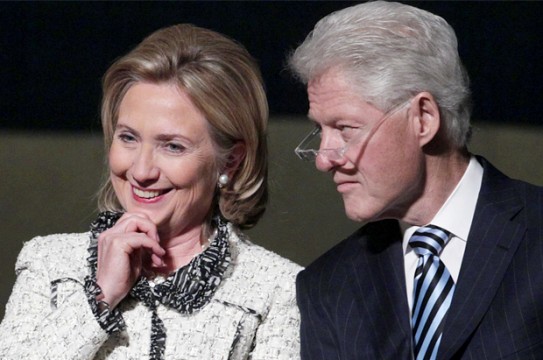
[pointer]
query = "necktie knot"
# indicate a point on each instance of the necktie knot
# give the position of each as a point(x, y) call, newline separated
point(429, 240)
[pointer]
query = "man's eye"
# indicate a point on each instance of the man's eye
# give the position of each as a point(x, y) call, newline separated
point(347, 131)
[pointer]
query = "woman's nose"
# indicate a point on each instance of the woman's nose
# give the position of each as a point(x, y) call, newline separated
point(144, 168)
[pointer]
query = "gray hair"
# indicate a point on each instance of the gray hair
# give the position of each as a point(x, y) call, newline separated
point(391, 52)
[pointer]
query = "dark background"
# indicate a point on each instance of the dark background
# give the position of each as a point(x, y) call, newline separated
point(53, 54)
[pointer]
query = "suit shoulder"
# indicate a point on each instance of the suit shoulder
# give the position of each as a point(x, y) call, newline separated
point(532, 198)
point(328, 262)
point(528, 196)
point(371, 238)
point(494, 181)
point(531, 192)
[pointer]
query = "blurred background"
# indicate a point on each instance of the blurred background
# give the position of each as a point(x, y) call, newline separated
point(53, 54)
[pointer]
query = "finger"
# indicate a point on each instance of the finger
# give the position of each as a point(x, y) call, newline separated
point(131, 242)
point(135, 222)
point(127, 243)
point(156, 253)
point(157, 261)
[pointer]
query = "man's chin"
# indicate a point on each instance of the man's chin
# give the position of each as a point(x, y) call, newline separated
point(356, 216)
point(361, 215)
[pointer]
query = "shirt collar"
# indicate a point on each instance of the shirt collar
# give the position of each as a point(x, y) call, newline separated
point(456, 214)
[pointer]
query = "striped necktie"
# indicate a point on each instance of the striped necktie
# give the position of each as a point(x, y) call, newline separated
point(433, 290)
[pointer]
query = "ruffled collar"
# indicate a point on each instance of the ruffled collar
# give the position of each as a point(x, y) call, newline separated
point(186, 290)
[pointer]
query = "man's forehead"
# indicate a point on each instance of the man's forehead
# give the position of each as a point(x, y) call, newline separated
point(330, 74)
point(332, 89)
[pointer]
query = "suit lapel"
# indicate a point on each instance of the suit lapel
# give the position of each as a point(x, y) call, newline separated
point(494, 237)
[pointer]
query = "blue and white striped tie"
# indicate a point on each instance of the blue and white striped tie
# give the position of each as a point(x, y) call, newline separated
point(433, 290)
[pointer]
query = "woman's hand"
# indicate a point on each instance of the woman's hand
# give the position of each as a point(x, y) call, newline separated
point(121, 251)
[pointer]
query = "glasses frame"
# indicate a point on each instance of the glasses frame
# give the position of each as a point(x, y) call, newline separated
point(335, 154)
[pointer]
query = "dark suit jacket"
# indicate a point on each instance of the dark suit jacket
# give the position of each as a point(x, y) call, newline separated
point(353, 299)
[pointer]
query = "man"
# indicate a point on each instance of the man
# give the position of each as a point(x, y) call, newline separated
point(449, 263)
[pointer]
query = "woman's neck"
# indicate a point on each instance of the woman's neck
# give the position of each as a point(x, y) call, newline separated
point(180, 249)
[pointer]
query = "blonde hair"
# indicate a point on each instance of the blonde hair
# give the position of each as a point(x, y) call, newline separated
point(225, 84)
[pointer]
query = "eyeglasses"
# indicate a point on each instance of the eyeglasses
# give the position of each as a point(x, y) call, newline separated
point(307, 149)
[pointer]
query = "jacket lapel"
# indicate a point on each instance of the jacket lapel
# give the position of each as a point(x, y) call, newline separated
point(494, 237)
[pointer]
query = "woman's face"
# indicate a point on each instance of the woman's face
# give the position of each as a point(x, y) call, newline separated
point(162, 161)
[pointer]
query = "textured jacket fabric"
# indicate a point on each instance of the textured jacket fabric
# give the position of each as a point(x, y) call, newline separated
point(253, 314)
point(353, 299)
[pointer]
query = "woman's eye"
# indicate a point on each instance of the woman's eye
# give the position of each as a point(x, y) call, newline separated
point(174, 147)
point(126, 138)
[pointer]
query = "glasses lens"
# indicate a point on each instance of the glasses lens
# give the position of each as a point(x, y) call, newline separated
point(306, 155)
point(308, 148)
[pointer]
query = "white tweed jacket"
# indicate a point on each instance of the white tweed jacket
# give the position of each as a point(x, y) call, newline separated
point(253, 314)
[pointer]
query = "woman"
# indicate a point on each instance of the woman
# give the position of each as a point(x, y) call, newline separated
point(165, 272)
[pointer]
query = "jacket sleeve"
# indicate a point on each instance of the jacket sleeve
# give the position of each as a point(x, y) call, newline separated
point(34, 327)
point(317, 335)
point(278, 335)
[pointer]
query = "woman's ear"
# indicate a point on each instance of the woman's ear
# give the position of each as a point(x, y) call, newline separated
point(236, 156)
point(427, 119)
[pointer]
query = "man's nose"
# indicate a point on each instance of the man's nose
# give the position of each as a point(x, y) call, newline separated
point(330, 153)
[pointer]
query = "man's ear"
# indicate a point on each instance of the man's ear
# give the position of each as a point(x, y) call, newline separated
point(426, 116)
point(236, 156)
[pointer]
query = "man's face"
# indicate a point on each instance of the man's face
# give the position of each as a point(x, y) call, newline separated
point(381, 173)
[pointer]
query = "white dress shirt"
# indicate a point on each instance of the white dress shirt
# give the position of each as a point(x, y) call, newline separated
point(455, 216)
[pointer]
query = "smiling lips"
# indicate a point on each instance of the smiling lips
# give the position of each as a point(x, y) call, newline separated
point(147, 194)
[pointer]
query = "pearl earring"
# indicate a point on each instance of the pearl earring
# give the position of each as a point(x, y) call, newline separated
point(223, 180)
